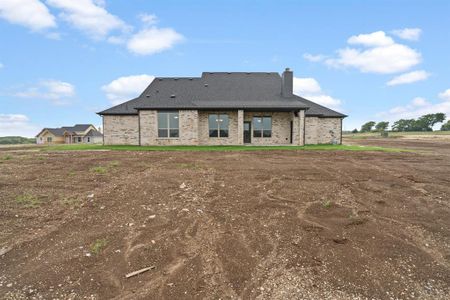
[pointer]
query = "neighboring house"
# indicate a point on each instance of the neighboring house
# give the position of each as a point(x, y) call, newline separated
point(221, 108)
point(78, 134)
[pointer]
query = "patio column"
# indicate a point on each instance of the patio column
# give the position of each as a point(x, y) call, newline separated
point(240, 127)
point(298, 123)
point(301, 117)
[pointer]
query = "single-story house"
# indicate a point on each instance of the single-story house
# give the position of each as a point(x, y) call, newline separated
point(78, 134)
point(221, 108)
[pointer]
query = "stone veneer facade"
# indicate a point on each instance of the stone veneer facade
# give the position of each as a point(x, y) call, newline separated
point(142, 129)
point(323, 130)
point(121, 130)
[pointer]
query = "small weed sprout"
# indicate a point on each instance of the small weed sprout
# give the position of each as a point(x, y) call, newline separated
point(28, 200)
point(7, 157)
point(98, 246)
point(327, 204)
point(99, 170)
point(114, 163)
point(72, 202)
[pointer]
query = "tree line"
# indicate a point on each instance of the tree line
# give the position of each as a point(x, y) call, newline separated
point(424, 123)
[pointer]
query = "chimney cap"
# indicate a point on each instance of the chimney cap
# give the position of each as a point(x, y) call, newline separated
point(287, 69)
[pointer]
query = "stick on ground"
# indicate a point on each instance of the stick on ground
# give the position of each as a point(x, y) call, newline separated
point(139, 272)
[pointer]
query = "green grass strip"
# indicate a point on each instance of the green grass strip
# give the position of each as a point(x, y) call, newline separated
point(219, 148)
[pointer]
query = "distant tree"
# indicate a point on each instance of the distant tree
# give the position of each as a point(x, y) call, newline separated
point(446, 126)
point(11, 140)
point(355, 130)
point(426, 122)
point(382, 126)
point(368, 126)
point(406, 125)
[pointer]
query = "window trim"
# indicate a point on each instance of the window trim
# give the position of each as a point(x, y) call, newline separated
point(262, 129)
point(168, 112)
point(218, 114)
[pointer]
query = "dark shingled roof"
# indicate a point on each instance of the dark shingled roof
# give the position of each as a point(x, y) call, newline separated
point(219, 90)
point(77, 128)
point(56, 131)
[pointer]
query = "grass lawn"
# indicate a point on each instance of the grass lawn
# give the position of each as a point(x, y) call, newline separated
point(393, 134)
point(219, 148)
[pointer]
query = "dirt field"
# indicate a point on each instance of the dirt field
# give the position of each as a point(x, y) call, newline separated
point(226, 225)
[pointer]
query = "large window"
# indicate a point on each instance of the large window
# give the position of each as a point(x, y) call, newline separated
point(168, 124)
point(262, 126)
point(218, 125)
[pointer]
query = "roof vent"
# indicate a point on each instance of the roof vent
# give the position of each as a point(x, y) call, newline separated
point(211, 73)
point(206, 85)
point(228, 72)
point(172, 96)
point(160, 79)
point(190, 78)
point(175, 79)
point(148, 95)
point(248, 73)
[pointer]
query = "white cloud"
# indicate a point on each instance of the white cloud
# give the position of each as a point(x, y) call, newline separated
point(411, 34)
point(314, 58)
point(89, 16)
point(32, 14)
point(306, 86)
point(153, 40)
point(17, 125)
point(445, 95)
point(92, 18)
point(378, 53)
point(418, 107)
point(310, 89)
point(58, 92)
point(148, 19)
point(374, 39)
point(126, 88)
point(409, 78)
point(419, 101)
point(1, 66)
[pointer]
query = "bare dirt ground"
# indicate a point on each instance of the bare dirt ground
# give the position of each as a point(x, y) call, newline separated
point(226, 225)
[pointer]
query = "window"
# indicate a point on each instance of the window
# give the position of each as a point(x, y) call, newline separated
point(262, 126)
point(218, 125)
point(49, 139)
point(79, 139)
point(168, 125)
point(88, 139)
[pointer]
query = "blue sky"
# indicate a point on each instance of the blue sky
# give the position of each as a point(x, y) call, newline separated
point(61, 60)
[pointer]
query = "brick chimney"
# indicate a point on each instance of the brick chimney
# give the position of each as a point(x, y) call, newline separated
point(287, 83)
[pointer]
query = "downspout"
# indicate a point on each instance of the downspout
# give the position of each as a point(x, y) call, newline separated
point(341, 132)
point(103, 134)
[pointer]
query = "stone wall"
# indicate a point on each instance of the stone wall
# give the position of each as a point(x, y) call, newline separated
point(322, 130)
point(124, 130)
point(121, 130)
point(188, 125)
